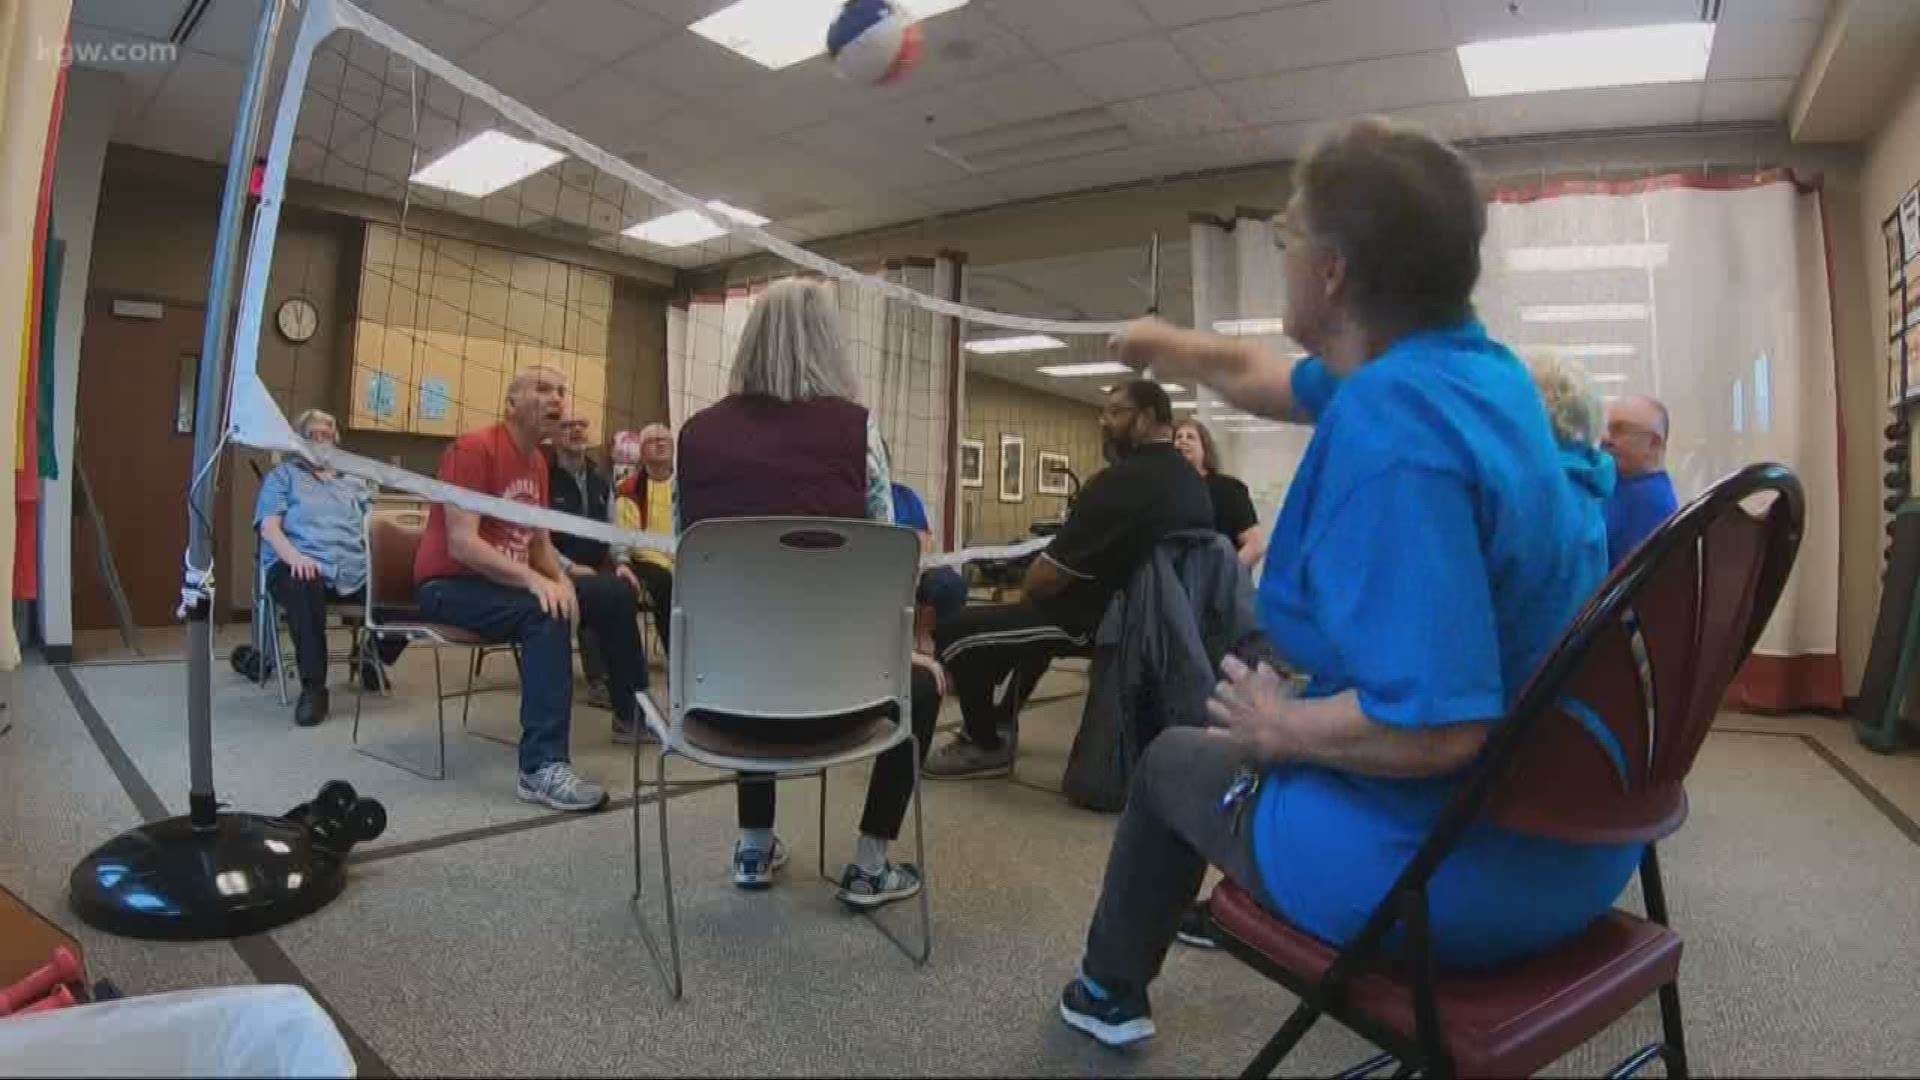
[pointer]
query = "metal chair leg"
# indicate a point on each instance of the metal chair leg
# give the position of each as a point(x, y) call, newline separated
point(279, 662)
point(1675, 1048)
point(920, 954)
point(1283, 1041)
point(669, 966)
point(440, 723)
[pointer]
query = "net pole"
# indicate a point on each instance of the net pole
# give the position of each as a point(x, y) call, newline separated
point(208, 419)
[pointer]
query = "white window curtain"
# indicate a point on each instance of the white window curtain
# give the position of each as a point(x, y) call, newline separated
point(902, 355)
point(1711, 296)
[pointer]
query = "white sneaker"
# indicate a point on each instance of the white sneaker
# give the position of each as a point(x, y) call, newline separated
point(558, 786)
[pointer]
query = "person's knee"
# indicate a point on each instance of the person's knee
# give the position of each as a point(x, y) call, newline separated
point(1170, 758)
point(604, 596)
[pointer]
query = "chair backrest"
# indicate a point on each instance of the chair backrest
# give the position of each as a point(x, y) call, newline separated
point(792, 618)
point(1599, 744)
point(391, 544)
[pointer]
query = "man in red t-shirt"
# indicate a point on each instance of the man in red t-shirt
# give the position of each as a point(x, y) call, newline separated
point(504, 582)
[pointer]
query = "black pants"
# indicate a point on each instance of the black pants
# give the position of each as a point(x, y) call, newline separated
point(659, 584)
point(985, 643)
point(891, 785)
point(304, 603)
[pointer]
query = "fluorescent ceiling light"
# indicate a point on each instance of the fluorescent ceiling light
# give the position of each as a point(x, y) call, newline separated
point(1595, 349)
point(1574, 313)
point(486, 163)
point(994, 346)
point(1247, 327)
point(781, 33)
point(1526, 260)
point(1173, 388)
point(1587, 59)
point(1608, 377)
point(1186, 404)
point(1095, 367)
point(685, 227)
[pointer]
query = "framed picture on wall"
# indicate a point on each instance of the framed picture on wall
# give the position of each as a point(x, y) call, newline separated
point(1013, 468)
point(1053, 477)
point(973, 463)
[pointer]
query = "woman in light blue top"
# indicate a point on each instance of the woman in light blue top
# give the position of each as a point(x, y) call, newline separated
point(1431, 551)
point(314, 549)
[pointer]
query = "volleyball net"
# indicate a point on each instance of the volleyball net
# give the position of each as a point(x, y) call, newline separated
point(476, 239)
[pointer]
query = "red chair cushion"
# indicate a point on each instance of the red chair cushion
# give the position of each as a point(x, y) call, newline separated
point(1512, 1021)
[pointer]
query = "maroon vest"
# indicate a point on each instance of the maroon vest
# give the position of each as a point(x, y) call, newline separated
point(758, 457)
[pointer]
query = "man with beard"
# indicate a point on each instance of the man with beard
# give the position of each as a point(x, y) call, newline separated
point(1148, 491)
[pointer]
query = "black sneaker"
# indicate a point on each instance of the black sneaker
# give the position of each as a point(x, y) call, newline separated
point(1119, 1020)
point(859, 889)
point(373, 675)
point(1197, 929)
point(312, 706)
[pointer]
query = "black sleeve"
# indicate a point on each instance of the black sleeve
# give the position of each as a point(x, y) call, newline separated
point(1233, 511)
point(1084, 546)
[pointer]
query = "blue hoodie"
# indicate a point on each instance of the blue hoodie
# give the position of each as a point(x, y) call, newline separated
point(1592, 472)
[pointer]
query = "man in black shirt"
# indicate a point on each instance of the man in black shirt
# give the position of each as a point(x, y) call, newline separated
point(576, 485)
point(1120, 516)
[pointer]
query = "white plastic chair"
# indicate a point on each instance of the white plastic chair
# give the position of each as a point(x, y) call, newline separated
point(796, 619)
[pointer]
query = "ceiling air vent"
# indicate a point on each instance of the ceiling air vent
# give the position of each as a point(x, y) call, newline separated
point(1031, 142)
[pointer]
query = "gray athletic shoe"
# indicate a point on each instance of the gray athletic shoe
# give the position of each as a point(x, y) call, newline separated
point(558, 786)
point(964, 759)
point(860, 889)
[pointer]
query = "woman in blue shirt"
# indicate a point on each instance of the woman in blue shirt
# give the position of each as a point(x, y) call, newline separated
point(1430, 552)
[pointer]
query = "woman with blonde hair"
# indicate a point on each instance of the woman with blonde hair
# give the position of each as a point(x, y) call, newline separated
point(792, 440)
point(1579, 422)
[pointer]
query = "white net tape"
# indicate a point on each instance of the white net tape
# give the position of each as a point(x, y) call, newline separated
point(412, 80)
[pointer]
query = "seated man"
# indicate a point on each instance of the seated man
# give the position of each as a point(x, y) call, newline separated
point(942, 588)
point(504, 582)
point(1121, 515)
point(1643, 499)
point(577, 485)
point(646, 504)
point(315, 554)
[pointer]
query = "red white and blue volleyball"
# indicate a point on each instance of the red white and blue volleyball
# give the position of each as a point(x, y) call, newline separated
point(875, 42)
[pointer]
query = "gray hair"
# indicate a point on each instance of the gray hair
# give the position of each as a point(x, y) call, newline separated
point(1572, 406)
point(794, 346)
point(308, 418)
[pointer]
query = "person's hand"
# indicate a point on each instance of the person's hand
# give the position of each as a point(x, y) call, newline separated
point(1249, 704)
point(557, 598)
point(303, 568)
point(1157, 344)
point(625, 573)
point(932, 667)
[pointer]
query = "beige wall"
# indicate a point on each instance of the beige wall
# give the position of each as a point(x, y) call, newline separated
point(1049, 422)
point(154, 239)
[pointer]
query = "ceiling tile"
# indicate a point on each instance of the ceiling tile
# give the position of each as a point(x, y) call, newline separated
point(1186, 12)
point(896, 156)
point(150, 19)
point(1129, 69)
point(1452, 121)
point(1183, 114)
point(1589, 110)
point(107, 49)
point(693, 68)
point(1057, 26)
point(446, 31)
point(1773, 11)
point(961, 46)
point(1398, 81)
point(1024, 92)
point(596, 29)
point(609, 109)
point(521, 69)
point(1247, 146)
point(1745, 99)
point(227, 30)
point(1762, 50)
point(1296, 95)
point(958, 195)
point(498, 12)
point(1323, 33)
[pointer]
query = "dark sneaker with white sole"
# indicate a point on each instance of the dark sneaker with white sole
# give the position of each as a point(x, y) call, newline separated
point(1197, 929)
point(860, 889)
point(964, 759)
point(753, 868)
point(1117, 1020)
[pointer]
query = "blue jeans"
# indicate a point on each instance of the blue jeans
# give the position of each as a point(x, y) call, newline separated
point(944, 590)
point(502, 613)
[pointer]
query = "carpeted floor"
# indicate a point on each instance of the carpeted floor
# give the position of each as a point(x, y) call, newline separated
point(482, 936)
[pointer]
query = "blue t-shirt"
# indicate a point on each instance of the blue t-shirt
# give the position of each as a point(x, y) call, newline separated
point(322, 520)
point(1640, 504)
point(1432, 549)
point(908, 510)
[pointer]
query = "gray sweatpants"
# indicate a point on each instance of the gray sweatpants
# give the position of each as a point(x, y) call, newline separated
point(1172, 828)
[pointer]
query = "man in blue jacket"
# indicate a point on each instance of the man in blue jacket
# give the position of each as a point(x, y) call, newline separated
point(1643, 498)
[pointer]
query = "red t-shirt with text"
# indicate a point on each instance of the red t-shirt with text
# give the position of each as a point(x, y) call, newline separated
point(490, 462)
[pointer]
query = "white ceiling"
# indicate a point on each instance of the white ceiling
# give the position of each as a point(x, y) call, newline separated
point(1196, 84)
